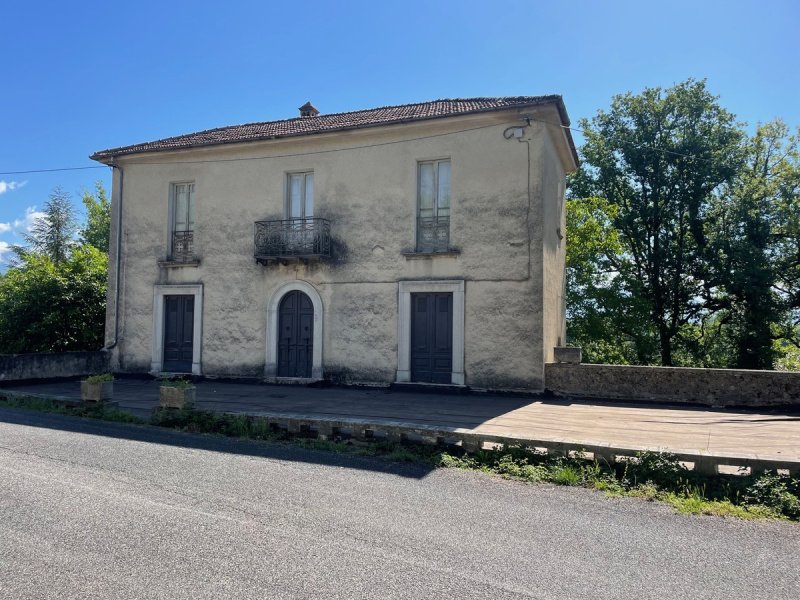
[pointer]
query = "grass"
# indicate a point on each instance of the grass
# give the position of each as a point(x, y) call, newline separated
point(175, 382)
point(651, 476)
point(100, 378)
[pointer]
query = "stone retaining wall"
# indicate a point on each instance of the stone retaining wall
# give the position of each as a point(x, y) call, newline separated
point(51, 365)
point(711, 387)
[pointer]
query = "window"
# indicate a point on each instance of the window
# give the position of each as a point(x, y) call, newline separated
point(433, 206)
point(182, 234)
point(300, 196)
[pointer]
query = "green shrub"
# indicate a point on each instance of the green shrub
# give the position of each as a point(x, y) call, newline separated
point(175, 382)
point(661, 468)
point(779, 492)
point(100, 378)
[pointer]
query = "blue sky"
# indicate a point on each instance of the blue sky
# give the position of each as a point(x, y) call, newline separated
point(80, 77)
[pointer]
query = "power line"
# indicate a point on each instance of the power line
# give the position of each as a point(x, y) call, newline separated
point(51, 170)
point(224, 160)
point(313, 152)
point(583, 132)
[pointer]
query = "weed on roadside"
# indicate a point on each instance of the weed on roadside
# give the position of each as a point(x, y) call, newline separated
point(651, 476)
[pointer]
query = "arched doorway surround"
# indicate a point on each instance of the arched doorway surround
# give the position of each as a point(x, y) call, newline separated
point(273, 314)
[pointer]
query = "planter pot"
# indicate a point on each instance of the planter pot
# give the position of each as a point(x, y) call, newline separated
point(97, 392)
point(173, 397)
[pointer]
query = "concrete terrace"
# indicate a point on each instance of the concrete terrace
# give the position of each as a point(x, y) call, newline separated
point(768, 435)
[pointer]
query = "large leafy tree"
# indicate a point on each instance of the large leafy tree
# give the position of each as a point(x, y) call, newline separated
point(98, 218)
point(53, 298)
point(755, 248)
point(608, 321)
point(52, 307)
point(658, 158)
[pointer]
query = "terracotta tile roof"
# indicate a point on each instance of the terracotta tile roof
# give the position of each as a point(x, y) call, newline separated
point(386, 115)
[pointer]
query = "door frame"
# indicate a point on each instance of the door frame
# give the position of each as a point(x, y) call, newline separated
point(181, 289)
point(271, 363)
point(404, 290)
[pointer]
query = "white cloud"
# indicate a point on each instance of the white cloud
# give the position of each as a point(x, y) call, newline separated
point(10, 186)
point(5, 248)
point(26, 223)
point(5, 227)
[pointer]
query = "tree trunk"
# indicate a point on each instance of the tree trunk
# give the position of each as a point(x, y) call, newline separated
point(666, 348)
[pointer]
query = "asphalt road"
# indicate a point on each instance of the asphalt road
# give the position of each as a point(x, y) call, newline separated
point(98, 510)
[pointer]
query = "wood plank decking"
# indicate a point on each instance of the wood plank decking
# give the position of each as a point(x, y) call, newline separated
point(769, 435)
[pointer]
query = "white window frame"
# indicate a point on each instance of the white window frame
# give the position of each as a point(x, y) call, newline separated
point(287, 210)
point(180, 289)
point(173, 206)
point(417, 207)
point(405, 289)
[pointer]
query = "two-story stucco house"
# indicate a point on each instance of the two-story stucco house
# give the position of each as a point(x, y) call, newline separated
point(414, 243)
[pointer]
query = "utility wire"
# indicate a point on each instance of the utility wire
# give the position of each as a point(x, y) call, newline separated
point(583, 132)
point(425, 137)
point(224, 160)
point(51, 170)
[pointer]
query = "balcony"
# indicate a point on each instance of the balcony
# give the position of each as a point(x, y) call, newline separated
point(433, 234)
point(181, 251)
point(292, 240)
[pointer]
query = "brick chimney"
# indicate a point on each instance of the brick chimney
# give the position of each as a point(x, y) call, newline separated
point(308, 110)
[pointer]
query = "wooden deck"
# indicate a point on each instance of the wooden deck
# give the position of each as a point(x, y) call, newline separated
point(771, 434)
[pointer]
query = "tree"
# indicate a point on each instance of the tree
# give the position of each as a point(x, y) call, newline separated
point(53, 297)
point(53, 235)
point(98, 218)
point(785, 251)
point(754, 246)
point(658, 158)
point(608, 322)
point(47, 306)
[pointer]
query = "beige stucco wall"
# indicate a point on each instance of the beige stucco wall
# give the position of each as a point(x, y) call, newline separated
point(369, 194)
point(553, 248)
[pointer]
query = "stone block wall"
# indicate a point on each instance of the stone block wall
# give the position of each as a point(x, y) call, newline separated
point(710, 387)
point(50, 365)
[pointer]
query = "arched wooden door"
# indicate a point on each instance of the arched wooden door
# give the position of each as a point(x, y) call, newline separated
point(296, 335)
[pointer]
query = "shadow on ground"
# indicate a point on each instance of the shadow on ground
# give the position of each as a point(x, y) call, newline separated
point(211, 443)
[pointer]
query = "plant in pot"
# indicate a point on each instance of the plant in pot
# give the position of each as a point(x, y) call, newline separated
point(97, 388)
point(176, 393)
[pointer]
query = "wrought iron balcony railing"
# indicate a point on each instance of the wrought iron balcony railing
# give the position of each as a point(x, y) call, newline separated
point(433, 234)
point(292, 239)
point(182, 246)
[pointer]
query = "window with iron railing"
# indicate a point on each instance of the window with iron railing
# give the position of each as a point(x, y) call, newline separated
point(433, 206)
point(182, 219)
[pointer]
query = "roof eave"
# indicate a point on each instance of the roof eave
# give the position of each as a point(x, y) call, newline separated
point(108, 157)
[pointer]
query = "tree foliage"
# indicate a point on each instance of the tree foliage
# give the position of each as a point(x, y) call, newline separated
point(755, 252)
point(53, 298)
point(52, 307)
point(98, 218)
point(604, 316)
point(54, 234)
point(658, 158)
point(687, 233)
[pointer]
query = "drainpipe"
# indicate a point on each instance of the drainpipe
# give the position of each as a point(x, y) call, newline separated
point(118, 257)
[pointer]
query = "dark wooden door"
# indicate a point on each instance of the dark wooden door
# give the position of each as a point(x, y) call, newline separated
point(296, 341)
point(432, 337)
point(178, 333)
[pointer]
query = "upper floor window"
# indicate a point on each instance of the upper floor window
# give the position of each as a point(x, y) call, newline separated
point(300, 195)
point(182, 234)
point(433, 206)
